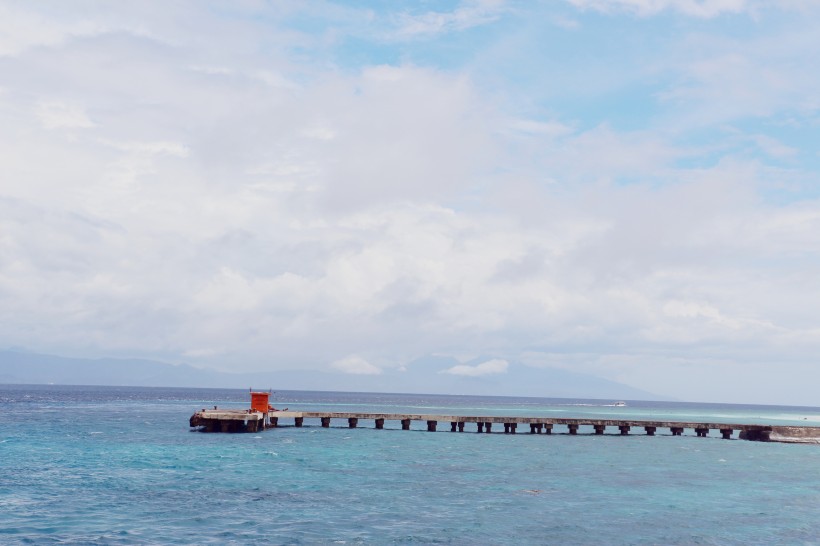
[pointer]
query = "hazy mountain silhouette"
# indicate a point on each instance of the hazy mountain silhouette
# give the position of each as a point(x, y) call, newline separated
point(425, 375)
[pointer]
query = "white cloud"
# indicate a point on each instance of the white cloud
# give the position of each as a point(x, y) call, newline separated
point(469, 14)
point(62, 115)
point(175, 149)
point(696, 8)
point(490, 367)
point(356, 365)
point(545, 128)
point(21, 29)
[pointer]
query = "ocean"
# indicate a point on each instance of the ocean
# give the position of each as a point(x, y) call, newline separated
point(119, 465)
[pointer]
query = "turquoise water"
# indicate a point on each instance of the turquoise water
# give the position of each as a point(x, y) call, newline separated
point(89, 465)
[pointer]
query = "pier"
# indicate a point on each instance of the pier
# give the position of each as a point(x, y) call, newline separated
point(254, 421)
point(262, 415)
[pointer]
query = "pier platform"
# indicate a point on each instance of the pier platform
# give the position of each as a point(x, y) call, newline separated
point(253, 421)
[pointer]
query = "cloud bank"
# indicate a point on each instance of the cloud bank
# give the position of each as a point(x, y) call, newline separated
point(490, 367)
point(242, 192)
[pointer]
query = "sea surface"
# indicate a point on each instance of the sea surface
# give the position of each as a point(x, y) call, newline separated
point(119, 465)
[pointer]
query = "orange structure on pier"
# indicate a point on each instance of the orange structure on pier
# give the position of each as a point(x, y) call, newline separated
point(260, 401)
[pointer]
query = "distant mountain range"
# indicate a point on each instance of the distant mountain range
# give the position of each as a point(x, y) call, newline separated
point(430, 375)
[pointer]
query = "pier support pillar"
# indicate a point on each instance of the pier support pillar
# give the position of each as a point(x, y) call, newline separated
point(488, 428)
point(225, 426)
point(506, 428)
point(431, 426)
point(760, 434)
point(274, 422)
point(532, 428)
point(480, 427)
point(539, 428)
point(405, 424)
point(573, 429)
point(702, 432)
point(599, 429)
point(352, 422)
point(650, 431)
point(325, 422)
point(252, 426)
point(513, 426)
point(727, 433)
point(461, 426)
point(547, 428)
point(298, 421)
point(624, 429)
point(453, 426)
point(379, 424)
point(676, 431)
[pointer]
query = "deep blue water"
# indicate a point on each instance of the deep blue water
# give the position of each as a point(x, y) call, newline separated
point(97, 465)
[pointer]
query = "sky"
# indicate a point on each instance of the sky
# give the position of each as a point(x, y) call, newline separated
point(622, 188)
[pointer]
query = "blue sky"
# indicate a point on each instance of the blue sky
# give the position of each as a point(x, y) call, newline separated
point(624, 188)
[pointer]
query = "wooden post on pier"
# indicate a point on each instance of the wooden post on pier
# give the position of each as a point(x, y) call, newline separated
point(650, 431)
point(352, 422)
point(431, 426)
point(573, 429)
point(599, 429)
point(379, 424)
point(325, 422)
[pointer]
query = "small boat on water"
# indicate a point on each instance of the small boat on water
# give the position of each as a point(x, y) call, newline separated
point(620, 404)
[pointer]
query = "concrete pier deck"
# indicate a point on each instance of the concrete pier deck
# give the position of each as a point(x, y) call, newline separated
point(252, 421)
